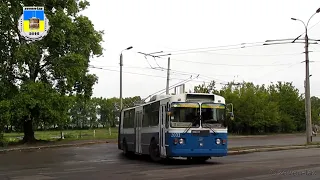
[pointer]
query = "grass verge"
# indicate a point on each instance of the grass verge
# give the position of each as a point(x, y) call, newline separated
point(54, 137)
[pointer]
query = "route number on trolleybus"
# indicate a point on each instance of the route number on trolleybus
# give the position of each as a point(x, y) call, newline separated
point(175, 135)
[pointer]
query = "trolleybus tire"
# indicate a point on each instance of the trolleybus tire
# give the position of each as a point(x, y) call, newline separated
point(154, 151)
point(125, 148)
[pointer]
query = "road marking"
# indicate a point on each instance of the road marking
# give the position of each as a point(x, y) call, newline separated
point(3, 173)
point(74, 170)
point(109, 161)
point(33, 177)
point(79, 169)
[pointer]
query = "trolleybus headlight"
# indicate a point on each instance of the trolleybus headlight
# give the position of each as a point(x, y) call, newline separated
point(218, 141)
point(178, 141)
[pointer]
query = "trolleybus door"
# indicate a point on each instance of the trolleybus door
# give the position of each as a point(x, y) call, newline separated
point(163, 130)
point(138, 123)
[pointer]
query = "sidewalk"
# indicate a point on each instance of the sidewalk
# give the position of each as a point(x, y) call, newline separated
point(56, 144)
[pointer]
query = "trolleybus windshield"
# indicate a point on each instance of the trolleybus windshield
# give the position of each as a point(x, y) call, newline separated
point(213, 114)
point(183, 115)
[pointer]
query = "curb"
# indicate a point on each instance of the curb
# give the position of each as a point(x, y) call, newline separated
point(263, 136)
point(280, 148)
point(53, 146)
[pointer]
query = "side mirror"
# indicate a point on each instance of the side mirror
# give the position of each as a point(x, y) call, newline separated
point(227, 121)
point(231, 113)
point(231, 116)
point(169, 113)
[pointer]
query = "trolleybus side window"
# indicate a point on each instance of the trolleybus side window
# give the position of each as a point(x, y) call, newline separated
point(128, 119)
point(132, 114)
point(151, 114)
point(145, 122)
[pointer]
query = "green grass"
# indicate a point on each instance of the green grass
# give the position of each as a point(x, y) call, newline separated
point(100, 134)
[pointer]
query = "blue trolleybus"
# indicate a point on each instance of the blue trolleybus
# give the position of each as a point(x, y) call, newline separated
point(190, 125)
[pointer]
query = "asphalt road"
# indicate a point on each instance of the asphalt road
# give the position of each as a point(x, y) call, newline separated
point(271, 140)
point(104, 161)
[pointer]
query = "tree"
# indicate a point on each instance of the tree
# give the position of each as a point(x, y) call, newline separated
point(57, 65)
point(109, 109)
point(260, 109)
point(315, 109)
point(291, 106)
point(206, 88)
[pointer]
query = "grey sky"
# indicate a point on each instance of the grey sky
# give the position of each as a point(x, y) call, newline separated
point(151, 26)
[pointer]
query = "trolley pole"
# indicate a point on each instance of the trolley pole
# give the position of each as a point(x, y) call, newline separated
point(168, 69)
point(168, 77)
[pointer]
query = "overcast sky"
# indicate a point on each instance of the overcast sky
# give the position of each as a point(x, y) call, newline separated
point(170, 26)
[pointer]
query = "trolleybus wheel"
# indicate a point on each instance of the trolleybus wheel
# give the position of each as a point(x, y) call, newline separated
point(125, 148)
point(154, 151)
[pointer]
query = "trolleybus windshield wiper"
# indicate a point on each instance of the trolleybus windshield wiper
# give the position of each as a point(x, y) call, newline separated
point(207, 126)
point(187, 129)
point(210, 128)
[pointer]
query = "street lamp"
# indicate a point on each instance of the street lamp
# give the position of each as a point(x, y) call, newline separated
point(121, 64)
point(307, 83)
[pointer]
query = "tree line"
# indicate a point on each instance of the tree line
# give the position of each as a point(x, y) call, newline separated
point(274, 108)
point(80, 113)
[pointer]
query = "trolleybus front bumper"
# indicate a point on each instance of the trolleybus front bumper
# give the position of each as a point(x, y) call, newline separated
point(197, 152)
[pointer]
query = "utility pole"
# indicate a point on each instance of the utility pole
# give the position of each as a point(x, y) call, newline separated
point(168, 77)
point(308, 101)
point(121, 64)
point(307, 81)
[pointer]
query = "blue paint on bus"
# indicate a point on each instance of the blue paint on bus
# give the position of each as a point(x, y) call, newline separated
point(195, 146)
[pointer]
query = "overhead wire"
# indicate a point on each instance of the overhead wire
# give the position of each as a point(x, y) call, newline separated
point(177, 72)
point(170, 87)
point(142, 74)
point(214, 47)
point(188, 73)
point(221, 64)
point(226, 47)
